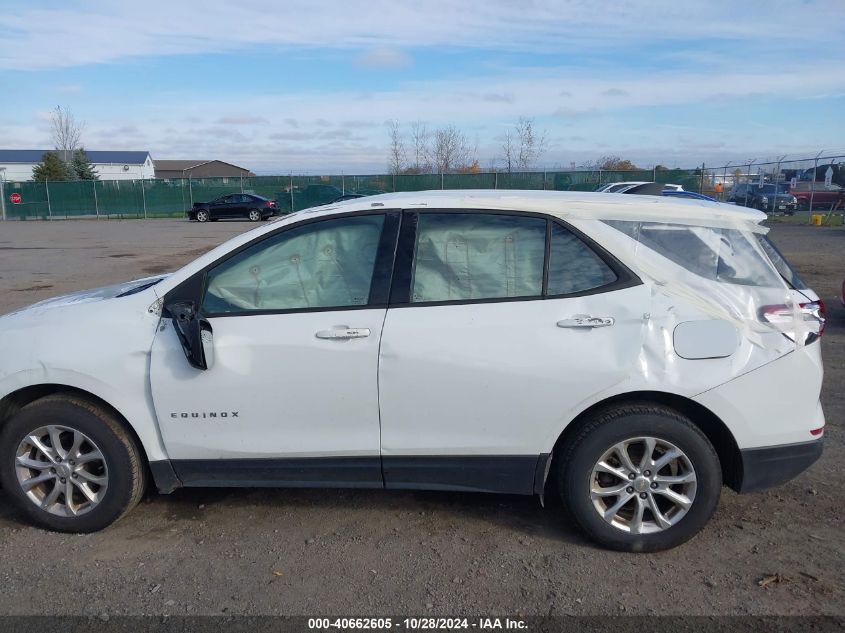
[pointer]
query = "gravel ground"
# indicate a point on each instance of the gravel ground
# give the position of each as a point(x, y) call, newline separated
point(309, 552)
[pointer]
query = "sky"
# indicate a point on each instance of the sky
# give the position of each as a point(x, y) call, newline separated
point(282, 86)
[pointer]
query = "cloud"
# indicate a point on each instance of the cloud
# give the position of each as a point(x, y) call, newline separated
point(383, 58)
point(241, 120)
point(290, 136)
point(498, 97)
point(89, 32)
point(614, 92)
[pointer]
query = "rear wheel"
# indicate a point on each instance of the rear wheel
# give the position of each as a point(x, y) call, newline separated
point(254, 215)
point(69, 465)
point(640, 478)
point(202, 215)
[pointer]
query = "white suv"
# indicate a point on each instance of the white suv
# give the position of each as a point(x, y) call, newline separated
point(631, 353)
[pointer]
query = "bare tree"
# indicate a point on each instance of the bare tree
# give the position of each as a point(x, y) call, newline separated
point(532, 143)
point(419, 147)
point(509, 151)
point(397, 156)
point(611, 163)
point(66, 131)
point(451, 150)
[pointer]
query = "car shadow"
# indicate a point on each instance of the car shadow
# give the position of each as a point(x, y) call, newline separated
point(521, 515)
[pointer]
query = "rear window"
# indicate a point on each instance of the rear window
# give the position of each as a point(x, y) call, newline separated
point(717, 254)
point(783, 267)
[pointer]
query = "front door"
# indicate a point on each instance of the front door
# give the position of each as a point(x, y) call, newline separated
point(290, 396)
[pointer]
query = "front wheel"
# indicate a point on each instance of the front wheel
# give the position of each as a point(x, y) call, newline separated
point(640, 478)
point(69, 465)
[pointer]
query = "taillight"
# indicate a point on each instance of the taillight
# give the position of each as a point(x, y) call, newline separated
point(780, 313)
point(811, 312)
point(817, 432)
point(815, 311)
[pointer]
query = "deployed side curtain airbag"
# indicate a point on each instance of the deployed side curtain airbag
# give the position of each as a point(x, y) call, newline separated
point(478, 256)
point(325, 264)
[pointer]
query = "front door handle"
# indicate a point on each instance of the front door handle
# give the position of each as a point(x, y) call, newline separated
point(344, 332)
point(586, 321)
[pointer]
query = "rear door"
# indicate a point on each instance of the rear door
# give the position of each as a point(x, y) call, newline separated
point(500, 326)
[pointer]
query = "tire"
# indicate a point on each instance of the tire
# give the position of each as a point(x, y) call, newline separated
point(254, 215)
point(803, 204)
point(121, 471)
point(578, 478)
point(202, 216)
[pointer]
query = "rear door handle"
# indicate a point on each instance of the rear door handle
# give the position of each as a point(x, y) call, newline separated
point(586, 321)
point(344, 332)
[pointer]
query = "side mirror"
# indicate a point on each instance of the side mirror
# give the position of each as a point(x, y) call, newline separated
point(207, 339)
point(189, 328)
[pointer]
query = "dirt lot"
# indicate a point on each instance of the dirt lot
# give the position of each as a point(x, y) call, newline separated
point(312, 552)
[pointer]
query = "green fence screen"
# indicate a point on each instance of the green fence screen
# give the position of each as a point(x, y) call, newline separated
point(173, 197)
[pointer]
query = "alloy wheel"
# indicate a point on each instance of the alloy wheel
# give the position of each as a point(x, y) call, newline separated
point(61, 470)
point(643, 485)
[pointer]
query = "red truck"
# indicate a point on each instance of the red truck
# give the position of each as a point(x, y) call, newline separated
point(823, 196)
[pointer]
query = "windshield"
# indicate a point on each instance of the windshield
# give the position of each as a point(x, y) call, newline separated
point(771, 189)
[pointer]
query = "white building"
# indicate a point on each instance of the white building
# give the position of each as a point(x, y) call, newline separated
point(16, 164)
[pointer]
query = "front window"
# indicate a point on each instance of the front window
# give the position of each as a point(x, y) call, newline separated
point(326, 264)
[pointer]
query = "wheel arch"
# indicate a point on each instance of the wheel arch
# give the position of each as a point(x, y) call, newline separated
point(708, 422)
point(13, 402)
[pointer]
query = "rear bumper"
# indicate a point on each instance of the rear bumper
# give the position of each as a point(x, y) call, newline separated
point(774, 465)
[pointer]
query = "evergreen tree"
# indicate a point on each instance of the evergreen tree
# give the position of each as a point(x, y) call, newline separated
point(51, 167)
point(81, 168)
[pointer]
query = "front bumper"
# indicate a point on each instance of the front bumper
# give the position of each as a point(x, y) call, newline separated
point(774, 465)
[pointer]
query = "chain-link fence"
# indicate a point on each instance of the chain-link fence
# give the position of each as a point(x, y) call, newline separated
point(781, 185)
point(173, 197)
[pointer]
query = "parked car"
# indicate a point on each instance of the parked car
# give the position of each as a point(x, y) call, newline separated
point(821, 195)
point(233, 205)
point(687, 194)
point(623, 187)
point(769, 197)
point(347, 196)
point(819, 173)
point(637, 352)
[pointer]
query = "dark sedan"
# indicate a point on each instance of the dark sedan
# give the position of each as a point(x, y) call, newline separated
point(234, 205)
point(768, 198)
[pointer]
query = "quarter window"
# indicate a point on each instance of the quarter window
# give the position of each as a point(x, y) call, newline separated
point(466, 256)
point(326, 264)
point(574, 266)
